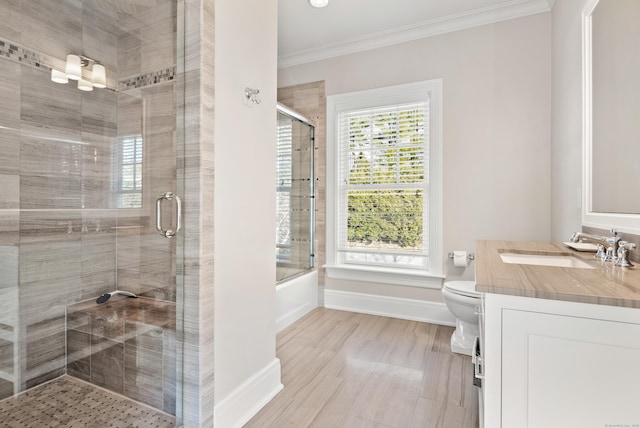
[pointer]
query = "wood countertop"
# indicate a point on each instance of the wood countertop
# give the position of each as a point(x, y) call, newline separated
point(603, 285)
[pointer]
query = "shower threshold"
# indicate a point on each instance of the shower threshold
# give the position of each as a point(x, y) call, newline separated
point(71, 402)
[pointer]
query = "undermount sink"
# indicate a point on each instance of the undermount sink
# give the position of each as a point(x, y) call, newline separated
point(545, 260)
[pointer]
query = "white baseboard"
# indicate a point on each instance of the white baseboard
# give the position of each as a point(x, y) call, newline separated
point(295, 299)
point(394, 307)
point(247, 400)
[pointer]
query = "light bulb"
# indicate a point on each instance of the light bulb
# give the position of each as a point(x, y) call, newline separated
point(85, 85)
point(58, 76)
point(318, 3)
point(99, 76)
point(73, 70)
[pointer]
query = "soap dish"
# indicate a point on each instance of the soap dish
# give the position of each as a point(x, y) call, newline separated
point(582, 246)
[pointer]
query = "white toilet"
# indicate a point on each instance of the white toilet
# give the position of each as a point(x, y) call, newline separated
point(463, 301)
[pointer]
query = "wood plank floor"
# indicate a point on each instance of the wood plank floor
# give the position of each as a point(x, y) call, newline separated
point(342, 369)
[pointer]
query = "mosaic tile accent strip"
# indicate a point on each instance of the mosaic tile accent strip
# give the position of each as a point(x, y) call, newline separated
point(147, 79)
point(17, 53)
point(68, 402)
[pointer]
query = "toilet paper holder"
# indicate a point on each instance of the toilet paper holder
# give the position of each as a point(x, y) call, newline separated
point(470, 256)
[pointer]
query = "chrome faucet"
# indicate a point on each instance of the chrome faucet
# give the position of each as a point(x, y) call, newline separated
point(622, 256)
point(607, 246)
point(610, 248)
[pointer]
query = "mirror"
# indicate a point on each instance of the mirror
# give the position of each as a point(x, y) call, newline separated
point(612, 103)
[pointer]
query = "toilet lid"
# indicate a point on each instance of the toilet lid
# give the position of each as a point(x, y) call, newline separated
point(464, 288)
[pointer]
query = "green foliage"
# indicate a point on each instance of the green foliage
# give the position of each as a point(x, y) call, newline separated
point(385, 216)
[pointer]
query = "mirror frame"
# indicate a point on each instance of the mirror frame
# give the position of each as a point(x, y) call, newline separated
point(629, 223)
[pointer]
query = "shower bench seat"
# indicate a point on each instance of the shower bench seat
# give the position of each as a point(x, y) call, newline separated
point(126, 345)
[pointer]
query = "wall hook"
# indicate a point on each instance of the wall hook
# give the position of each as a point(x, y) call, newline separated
point(252, 95)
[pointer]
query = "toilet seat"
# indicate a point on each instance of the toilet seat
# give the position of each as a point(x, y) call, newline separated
point(462, 288)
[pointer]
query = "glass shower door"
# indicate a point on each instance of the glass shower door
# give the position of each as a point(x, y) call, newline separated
point(295, 195)
point(83, 163)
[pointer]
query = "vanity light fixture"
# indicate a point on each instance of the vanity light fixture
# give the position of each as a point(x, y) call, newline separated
point(318, 3)
point(58, 76)
point(85, 85)
point(98, 76)
point(73, 71)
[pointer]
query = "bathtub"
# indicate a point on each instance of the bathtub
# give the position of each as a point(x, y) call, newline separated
point(295, 298)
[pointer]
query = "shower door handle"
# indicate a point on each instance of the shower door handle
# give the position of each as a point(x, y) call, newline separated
point(168, 233)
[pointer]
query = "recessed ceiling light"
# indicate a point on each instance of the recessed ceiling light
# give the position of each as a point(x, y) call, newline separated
point(318, 3)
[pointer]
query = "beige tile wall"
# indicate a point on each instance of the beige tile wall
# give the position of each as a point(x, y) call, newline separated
point(197, 298)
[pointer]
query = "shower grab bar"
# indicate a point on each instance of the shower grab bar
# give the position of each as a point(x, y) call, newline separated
point(168, 233)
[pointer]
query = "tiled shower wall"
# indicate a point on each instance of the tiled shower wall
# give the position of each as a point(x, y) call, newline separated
point(62, 239)
point(310, 100)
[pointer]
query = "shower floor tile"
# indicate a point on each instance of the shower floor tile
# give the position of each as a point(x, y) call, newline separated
point(69, 402)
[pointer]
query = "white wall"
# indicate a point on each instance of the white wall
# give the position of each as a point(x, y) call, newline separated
point(496, 127)
point(244, 219)
point(566, 107)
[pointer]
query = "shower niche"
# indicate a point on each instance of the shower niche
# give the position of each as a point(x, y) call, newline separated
point(294, 195)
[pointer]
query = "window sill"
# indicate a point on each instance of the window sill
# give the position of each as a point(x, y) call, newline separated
point(406, 277)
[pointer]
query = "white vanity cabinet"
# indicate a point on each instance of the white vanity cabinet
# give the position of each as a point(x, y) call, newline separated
point(550, 363)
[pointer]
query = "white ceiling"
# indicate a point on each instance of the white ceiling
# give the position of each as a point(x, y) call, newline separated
point(345, 26)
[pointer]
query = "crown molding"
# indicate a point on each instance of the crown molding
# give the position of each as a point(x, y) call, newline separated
point(510, 10)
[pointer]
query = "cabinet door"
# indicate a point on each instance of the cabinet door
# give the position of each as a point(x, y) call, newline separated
point(564, 371)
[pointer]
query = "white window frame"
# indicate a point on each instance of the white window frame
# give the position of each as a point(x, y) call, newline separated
point(430, 277)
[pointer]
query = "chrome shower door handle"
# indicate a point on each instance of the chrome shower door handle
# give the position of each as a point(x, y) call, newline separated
point(168, 233)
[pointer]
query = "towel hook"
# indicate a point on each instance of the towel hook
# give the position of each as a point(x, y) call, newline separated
point(252, 95)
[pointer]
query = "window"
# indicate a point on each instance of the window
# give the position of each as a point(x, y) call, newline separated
point(385, 162)
point(283, 189)
point(127, 166)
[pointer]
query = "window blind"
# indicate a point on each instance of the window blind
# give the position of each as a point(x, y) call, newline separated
point(383, 185)
point(128, 163)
